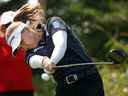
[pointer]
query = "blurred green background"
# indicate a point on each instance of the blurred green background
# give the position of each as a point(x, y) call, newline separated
point(101, 25)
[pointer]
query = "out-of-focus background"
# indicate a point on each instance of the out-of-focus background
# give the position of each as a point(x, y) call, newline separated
point(101, 25)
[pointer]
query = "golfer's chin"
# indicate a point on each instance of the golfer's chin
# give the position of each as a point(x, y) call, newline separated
point(29, 46)
point(33, 46)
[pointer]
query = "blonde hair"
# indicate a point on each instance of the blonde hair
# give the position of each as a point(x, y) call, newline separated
point(25, 12)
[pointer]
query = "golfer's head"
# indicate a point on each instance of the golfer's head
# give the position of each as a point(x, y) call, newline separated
point(31, 13)
point(19, 35)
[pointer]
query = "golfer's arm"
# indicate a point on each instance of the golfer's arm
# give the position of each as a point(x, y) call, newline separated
point(60, 42)
point(35, 61)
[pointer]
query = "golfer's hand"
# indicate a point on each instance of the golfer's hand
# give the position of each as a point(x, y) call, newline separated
point(48, 65)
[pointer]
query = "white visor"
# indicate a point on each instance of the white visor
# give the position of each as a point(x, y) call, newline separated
point(14, 39)
point(7, 17)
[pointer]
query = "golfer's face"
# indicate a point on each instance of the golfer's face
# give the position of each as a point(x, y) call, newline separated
point(36, 19)
point(30, 38)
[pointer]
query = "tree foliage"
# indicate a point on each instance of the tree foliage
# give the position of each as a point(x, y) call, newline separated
point(96, 22)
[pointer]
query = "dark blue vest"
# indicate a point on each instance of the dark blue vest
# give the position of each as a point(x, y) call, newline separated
point(74, 53)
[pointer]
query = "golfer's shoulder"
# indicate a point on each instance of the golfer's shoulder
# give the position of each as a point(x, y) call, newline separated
point(56, 22)
point(55, 18)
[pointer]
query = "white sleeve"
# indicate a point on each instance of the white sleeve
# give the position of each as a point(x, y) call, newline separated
point(36, 61)
point(60, 42)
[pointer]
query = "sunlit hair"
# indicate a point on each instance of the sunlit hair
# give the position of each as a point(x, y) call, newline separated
point(26, 13)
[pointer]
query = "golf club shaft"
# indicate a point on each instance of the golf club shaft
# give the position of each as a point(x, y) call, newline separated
point(81, 64)
point(84, 64)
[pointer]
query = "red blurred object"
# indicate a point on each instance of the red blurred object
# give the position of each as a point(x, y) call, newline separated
point(15, 75)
